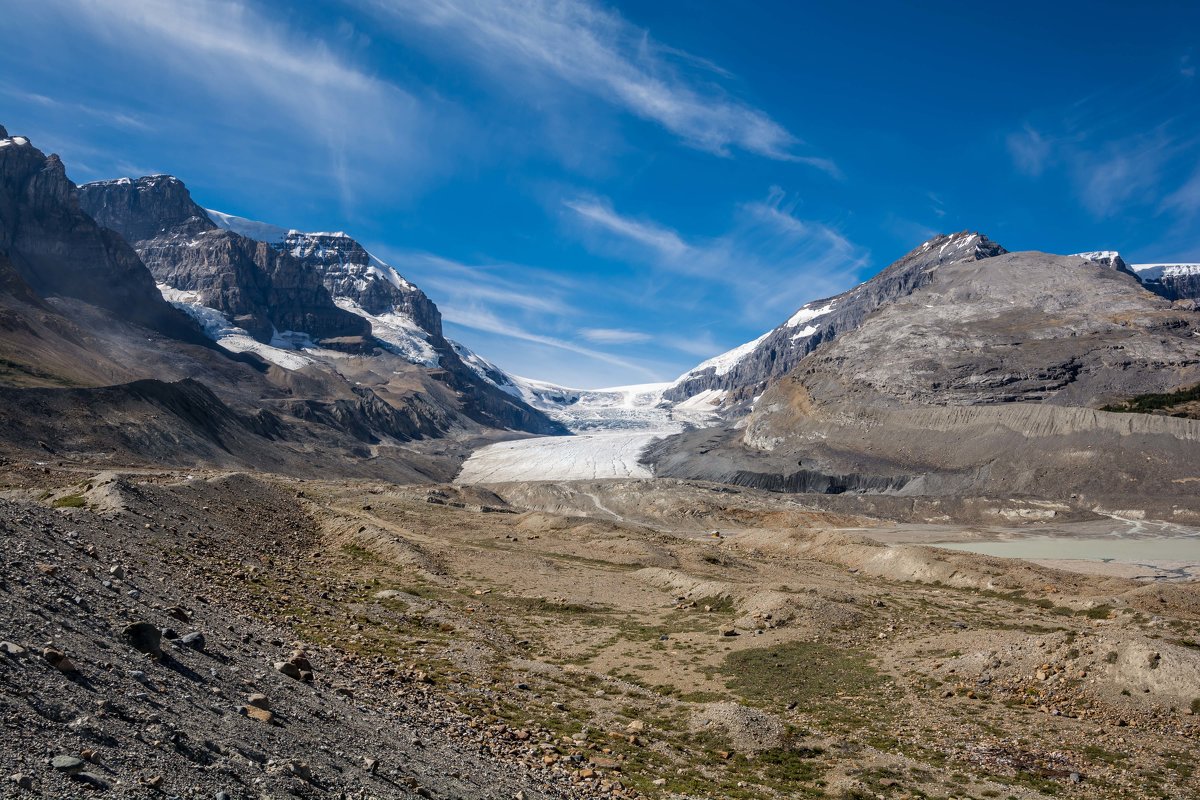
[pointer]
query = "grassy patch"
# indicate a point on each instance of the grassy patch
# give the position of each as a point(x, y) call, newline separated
point(70, 501)
point(838, 686)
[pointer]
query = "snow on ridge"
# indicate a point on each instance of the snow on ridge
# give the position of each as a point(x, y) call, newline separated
point(1099, 255)
point(251, 229)
point(723, 363)
point(1155, 272)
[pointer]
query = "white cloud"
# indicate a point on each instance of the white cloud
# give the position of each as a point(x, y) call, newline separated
point(613, 336)
point(1185, 199)
point(665, 241)
point(1118, 172)
point(596, 51)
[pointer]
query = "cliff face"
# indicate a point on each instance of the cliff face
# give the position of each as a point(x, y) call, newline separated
point(57, 249)
point(260, 288)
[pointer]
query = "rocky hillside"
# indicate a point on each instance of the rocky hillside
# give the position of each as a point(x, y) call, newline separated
point(744, 372)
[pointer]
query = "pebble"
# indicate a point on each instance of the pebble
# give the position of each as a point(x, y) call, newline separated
point(59, 661)
point(21, 780)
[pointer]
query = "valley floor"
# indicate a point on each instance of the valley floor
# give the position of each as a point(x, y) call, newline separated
point(574, 639)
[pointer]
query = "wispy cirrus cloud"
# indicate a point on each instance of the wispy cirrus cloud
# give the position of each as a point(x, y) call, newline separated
point(771, 259)
point(594, 50)
point(244, 75)
point(527, 304)
point(1029, 150)
point(613, 336)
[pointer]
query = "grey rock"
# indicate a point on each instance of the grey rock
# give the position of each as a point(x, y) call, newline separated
point(194, 640)
point(67, 763)
point(54, 248)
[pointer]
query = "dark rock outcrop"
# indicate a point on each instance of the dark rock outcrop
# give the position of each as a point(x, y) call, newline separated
point(55, 249)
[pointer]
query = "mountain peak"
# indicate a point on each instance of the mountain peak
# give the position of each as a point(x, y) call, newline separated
point(141, 208)
point(959, 246)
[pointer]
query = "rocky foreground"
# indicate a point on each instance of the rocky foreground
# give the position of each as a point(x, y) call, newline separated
point(214, 635)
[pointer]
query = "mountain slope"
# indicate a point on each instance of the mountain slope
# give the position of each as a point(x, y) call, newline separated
point(744, 372)
point(260, 288)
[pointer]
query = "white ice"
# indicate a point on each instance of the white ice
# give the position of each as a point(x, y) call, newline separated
point(560, 458)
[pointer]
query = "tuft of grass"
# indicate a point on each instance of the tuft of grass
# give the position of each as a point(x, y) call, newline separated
point(70, 501)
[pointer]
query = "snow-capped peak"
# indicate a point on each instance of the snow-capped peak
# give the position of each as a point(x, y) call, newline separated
point(1100, 256)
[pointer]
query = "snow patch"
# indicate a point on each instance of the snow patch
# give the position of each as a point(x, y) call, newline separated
point(398, 332)
point(807, 313)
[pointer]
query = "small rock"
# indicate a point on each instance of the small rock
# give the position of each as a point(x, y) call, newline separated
point(144, 637)
point(12, 650)
point(91, 779)
point(1076, 777)
point(288, 668)
point(67, 763)
point(370, 765)
point(118, 572)
point(260, 714)
point(729, 632)
point(154, 782)
point(194, 640)
point(21, 780)
point(59, 661)
point(258, 701)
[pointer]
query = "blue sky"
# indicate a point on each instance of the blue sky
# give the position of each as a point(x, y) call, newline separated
point(598, 193)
